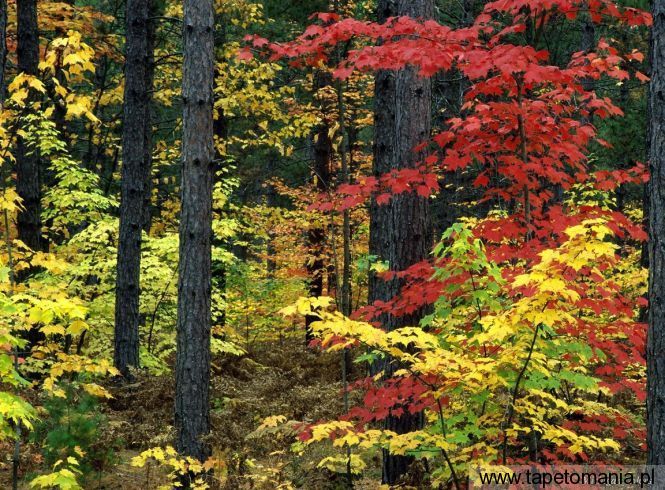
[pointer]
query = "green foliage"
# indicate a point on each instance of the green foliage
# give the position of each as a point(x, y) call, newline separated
point(254, 299)
point(14, 410)
point(71, 429)
point(496, 366)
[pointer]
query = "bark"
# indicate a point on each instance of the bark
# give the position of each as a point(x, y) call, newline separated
point(345, 293)
point(135, 178)
point(316, 235)
point(28, 179)
point(3, 49)
point(656, 333)
point(192, 411)
point(399, 231)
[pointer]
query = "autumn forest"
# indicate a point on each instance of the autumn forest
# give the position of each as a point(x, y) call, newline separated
point(312, 244)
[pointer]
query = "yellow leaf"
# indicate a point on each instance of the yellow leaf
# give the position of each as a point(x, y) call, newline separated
point(37, 84)
point(77, 327)
point(53, 330)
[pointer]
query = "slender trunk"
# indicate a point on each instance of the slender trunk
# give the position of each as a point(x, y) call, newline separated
point(346, 293)
point(192, 411)
point(344, 153)
point(656, 333)
point(346, 218)
point(28, 170)
point(135, 190)
point(400, 230)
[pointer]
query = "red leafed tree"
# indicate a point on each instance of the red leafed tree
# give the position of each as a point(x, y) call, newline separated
point(526, 127)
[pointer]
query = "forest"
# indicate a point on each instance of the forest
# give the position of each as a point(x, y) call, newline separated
point(329, 244)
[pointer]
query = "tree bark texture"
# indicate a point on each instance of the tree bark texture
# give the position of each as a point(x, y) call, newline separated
point(192, 414)
point(3, 49)
point(400, 231)
point(656, 333)
point(28, 178)
point(316, 235)
point(135, 179)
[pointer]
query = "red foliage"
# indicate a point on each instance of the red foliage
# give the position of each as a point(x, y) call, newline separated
point(525, 129)
point(391, 397)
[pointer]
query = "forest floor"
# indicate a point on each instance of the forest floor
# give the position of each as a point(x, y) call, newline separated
point(292, 381)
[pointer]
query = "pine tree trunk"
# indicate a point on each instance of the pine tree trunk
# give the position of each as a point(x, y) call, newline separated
point(194, 280)
point(656, 334)
point(316, 235)
point(400, 230)
point(3, 49)
point(28, 170)
point(135, 188)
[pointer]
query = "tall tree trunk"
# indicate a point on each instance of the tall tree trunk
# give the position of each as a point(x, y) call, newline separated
point(192, 412)
point(400, 230)
point(316, 235)
point(656, 334)
point(135, 189)
point(346, 294)
point(3, 49)
point(29, 223)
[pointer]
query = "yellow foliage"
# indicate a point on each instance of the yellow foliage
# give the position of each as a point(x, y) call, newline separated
point(510, 336)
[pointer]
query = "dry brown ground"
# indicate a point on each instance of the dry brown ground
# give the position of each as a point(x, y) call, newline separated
point(291, 381)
